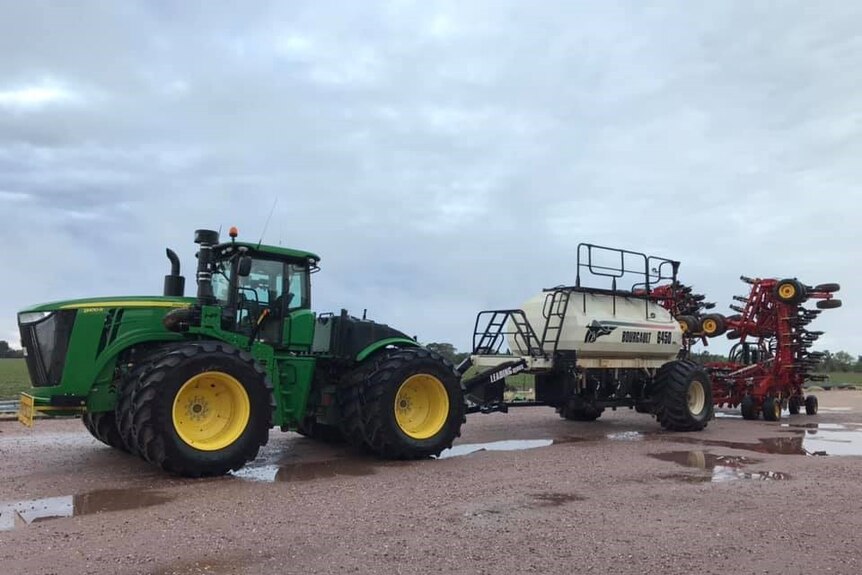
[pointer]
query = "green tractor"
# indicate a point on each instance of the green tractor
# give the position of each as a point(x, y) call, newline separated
point(194, 385)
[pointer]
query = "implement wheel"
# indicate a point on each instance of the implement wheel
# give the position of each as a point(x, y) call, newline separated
point(202, 410)
point(748, 407)
point(828, 304)
point(794, 405)
point(689, 324)
point(684, 396)
point(828, 288)
point(771, 409)
point(790, 291)
point(414, 405)
point(811, 405)
point(713, 325)
point(103, 426)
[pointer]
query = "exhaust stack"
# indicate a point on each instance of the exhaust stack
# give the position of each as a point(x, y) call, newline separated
point(175, 284)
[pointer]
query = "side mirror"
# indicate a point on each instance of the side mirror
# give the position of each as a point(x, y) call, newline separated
point(244, 267)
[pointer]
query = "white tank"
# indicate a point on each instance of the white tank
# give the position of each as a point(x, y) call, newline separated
point(602, 326)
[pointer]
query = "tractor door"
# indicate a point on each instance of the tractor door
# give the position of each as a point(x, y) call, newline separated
point(298, 328)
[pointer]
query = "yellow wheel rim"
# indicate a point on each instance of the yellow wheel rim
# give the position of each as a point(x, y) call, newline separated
point(787, 291)
point(683, 326)
point(421, 406)
point(709, 326)
point(696, 397)
point(211, 410)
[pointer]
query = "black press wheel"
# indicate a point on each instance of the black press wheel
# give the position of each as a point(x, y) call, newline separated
point(828, 288)
point(576, 409)
point(794, 405)
point(748, 407)
point(828, 304)
point(790, 291)
point(414, 405)
point(205, 408)
point(683, 393)
point(811, 405)
point(771, 409)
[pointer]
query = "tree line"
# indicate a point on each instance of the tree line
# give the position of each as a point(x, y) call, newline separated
point(6, 351)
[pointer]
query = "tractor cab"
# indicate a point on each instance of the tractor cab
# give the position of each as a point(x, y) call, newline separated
point(264, 291)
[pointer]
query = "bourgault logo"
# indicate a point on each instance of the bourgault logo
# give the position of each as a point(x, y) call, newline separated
point(596, 330)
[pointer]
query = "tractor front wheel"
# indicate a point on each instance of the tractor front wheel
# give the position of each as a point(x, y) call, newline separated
point(683, 393)
point(414, 405)
point(202, 410)
point(103, 426)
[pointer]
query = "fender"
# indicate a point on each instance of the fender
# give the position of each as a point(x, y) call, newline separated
point(377, 345)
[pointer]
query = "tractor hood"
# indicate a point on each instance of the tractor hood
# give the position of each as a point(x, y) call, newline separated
point(113, 302)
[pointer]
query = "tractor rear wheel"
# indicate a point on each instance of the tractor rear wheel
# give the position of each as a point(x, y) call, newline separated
point(811, 405)
point(103, 426)
point(771, 409)
point(414, 405)
point(576, 409)
point(790, 291)
point(683, 394)
point(748, 407)
point(204, 408)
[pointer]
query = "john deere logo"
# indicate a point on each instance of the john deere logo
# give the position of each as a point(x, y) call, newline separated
point(596, 330)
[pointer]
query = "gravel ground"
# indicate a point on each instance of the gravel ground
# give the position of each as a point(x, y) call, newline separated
point(523, 492)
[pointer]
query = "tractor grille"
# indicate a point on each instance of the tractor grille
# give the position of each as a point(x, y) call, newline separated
point(46, 342)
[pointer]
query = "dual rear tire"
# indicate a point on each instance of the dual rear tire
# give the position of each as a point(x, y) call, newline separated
point(193, 409)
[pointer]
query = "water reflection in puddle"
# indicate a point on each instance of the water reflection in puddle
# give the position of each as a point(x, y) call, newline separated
point(506, 445)
point(722, 468)
point(298, 472)
point(99, 501)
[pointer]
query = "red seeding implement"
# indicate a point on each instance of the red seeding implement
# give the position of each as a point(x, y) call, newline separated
point(771, 361)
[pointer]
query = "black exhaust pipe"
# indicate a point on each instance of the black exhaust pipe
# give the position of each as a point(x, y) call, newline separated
point(206, 239)
point(175, 284)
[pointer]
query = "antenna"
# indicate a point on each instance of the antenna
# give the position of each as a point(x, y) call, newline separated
point(269, 217)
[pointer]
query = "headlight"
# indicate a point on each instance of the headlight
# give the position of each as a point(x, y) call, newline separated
point(33, 316)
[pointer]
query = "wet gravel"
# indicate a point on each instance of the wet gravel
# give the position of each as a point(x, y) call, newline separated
point(523, 492)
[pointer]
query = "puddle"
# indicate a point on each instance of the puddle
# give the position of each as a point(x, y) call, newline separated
point(722, 468)
point(555, 499)
point(725, 415)
point(99, 501)
point(298, 472)
point(626, 436)
point(507, 445)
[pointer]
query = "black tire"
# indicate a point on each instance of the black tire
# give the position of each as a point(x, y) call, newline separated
point(125, 392)
point(683, 393)
point(576, 409)
point(689, 324)
point(771, 409)
point(828, 288)
point(790, 291)
point(155, 432)
point(811, 405)
point(733, 334)
point(748, 407)
point(829, 304)
point(103, 426)
point(794, 405)
point(349, 397)
point(388, 438)
point(713, 325)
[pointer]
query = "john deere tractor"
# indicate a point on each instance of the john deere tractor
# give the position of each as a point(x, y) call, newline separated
point(194, 385)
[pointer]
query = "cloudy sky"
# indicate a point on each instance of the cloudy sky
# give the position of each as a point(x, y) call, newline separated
point(441, 157)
